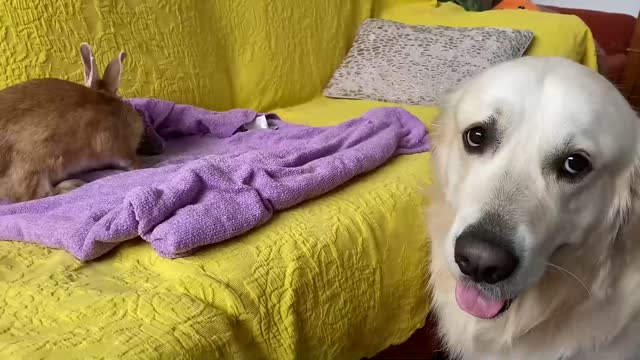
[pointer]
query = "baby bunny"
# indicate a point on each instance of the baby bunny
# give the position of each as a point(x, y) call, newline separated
point(53, 129)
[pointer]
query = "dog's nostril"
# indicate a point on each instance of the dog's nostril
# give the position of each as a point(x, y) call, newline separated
point(492, 274)
point(464, 264)
point(482, 260)
point(463, 261)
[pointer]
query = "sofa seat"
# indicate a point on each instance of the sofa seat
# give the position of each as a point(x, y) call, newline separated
point(343, 276)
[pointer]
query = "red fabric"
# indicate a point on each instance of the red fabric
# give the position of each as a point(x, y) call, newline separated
point(612, 31)
point(615, 66)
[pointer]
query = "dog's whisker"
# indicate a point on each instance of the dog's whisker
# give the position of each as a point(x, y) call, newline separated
point(572, 275)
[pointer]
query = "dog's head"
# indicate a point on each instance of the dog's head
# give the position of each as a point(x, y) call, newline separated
point(538, 160)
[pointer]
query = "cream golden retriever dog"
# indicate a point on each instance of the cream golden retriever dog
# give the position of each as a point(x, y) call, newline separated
point(536, 215)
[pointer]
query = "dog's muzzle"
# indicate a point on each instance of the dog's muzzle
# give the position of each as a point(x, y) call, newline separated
point(484, 254)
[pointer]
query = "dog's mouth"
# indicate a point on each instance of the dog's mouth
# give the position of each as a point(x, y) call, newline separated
point(475, 302)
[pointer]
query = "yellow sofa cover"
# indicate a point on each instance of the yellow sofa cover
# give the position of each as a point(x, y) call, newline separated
point(340, 277)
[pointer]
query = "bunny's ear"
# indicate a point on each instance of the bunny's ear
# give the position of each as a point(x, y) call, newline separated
point(111, 78)
point(91, 74)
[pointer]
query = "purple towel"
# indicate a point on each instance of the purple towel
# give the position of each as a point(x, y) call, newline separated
point(212, 182)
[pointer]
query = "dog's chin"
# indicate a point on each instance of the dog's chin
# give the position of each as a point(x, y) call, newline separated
point(476, 302)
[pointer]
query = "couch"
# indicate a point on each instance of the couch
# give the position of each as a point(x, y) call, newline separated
point(339, 277)
point(613, 32)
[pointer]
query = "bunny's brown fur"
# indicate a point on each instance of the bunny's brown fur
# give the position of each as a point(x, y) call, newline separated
point(53, 129)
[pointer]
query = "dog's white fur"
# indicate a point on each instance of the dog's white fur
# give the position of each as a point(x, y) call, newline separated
point(578, 282)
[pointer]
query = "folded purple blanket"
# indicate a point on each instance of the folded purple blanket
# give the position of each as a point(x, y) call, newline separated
point(213, 180)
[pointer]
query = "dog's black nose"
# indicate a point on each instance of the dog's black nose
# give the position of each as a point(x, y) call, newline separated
point(483, 257)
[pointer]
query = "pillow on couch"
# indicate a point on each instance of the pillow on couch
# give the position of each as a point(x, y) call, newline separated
point(555, 34)
point(412, 64)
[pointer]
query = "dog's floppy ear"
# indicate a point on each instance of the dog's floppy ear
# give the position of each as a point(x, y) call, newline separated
point(625, 211)
point(624, 216)
point(447, 104)
point(443, 133)
point(450, 98)
point(623, 222)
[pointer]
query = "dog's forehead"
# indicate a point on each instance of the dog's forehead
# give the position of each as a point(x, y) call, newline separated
point(551, 101)
point(522, 90)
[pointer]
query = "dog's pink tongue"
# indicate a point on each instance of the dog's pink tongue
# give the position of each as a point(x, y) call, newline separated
point(477, 304)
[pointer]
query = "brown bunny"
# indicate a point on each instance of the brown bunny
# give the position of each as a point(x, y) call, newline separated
point(53, 129)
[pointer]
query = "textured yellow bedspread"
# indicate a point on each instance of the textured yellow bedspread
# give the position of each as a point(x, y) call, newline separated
point(335, 278)
point(339, 277)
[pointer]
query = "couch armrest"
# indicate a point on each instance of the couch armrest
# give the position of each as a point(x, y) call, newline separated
point(630, 84)
point(612, 31)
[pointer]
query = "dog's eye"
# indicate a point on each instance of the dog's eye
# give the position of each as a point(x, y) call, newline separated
point(475, 138)
point(575, 165)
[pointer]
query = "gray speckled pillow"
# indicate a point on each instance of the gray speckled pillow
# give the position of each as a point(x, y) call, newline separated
point(414, 64)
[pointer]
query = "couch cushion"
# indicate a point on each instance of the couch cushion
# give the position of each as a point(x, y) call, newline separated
point(413, 64)
point(555, 34)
